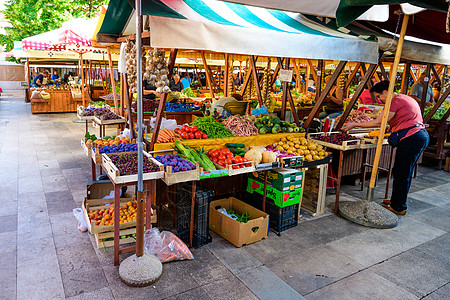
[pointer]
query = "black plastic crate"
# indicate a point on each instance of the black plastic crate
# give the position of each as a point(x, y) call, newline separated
point(201, 214)
point(281, 218)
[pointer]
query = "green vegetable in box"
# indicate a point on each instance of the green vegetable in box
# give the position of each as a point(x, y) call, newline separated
point(211, 127)
point(188, 92)
point(440, 112)
point(271, 124)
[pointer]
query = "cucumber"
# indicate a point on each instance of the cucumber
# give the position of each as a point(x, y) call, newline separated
point(237, 151)
point(230, 145)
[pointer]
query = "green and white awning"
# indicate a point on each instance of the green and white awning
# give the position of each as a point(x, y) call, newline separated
point(233, 28)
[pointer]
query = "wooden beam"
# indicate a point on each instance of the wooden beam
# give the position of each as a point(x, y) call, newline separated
point(327, 89)
point(425, 88)
point(275, 73)
point(308, 72)
point(226, 75)
point(312, 70)
point(383, 71)
point(284, 89)
point(359, 90)
point(207, 73)
point(113, 80)
point(107, 38)
point(436, 74)
point(246, 81)
point(296, 72)
point(132, 37)
point(162, 101)
point(405, 79)
point(82, 80)
point(444, 118)
point(414, 77)
point(438, 104)
point(293, 109)
point(319, 79)
point(255, 78)
point(351, 76)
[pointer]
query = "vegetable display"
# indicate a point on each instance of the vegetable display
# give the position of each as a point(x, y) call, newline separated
point(194, 156)
point(224, 157)
point(128, 164)
point(439, 113)
point(157, 70)
point(193, 132)
point(300, 146)
point(211, 127)
point(188, 92)
point(165, 136)
point(337, 138)
point(177, 163)
point(356, 116)
point(240, 126)
point(271, 124)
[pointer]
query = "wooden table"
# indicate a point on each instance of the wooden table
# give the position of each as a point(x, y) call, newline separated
point(60, 101)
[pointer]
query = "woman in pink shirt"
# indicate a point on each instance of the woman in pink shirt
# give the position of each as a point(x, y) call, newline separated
point(408, 135)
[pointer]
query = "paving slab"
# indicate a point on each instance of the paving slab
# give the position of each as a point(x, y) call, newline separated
point(439, 294)
point(35, 250)
point(8, 241)
point(438, 247)
point(8, 274)
point(8, 223)
point(415, 271)
point(235, 259)
point(60, 202)
point(100, 294)
point(435, 196)
point(229, 288)
point(438, 217)
point(194, 294)
point(375, 245)
point(310, 270)
point(266, 285)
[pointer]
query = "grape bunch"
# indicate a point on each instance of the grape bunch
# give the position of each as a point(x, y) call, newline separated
point(117, 148)
point(91, 111)
point(128, 164)
point(107, 115)
point(177, 163)
point(147, 105)
point(337, 138)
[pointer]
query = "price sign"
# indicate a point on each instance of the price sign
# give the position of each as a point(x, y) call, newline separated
point(286, 75)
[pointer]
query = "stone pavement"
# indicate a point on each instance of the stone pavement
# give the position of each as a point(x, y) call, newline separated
point(43, 175)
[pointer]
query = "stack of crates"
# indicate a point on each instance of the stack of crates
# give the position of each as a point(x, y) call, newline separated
point(201, 214)
point(283, 196)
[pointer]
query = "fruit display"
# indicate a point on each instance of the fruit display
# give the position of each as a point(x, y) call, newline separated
point(224, 157)
point(271, 124)
point(91, 111)
point(193, 132)
point(107, 141)
point(105, 217)
point(147, 104)
point(128, 163)
point(356, 116)
point(376, 133)
point(211, 127)
point(240, 126)
point(107, 115)
point(195, 156)
point(177, 163)
point(308, 148)
point(440, 112)
point(117, 148)
point(166, 135)
point(156, 70)
point(337, 138)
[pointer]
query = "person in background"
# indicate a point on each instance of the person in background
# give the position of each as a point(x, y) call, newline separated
point(406, 122)
point(202, 79)
point(417, 88)
point(436, 91)
point(175, 84)
point(149, 90)
point(185, 81)
point(55, 77)
point(334, 103)
point(38, 80)
point(236, 81)
point(367, 99)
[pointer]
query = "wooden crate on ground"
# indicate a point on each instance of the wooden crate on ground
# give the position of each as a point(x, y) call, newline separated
point(106, 239)
point(315, 188)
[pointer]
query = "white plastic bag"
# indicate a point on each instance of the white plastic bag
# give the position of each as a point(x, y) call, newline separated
point(165, 245)
point(78, 213)
point(165, 123)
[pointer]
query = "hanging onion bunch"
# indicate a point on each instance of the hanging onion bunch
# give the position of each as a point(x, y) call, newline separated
point(156, 70)
point(342, 81)
point(265, 87)
point(230, 79)
point(130, 57)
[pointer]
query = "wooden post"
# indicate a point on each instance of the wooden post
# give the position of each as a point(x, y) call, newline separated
point(275, 73)
point(436, 74)
point(383, 71)
point(226, 75)
point(319, 78)
point(124, 91)
point(308, 72)
point(284, 89)
point(207, 73)
point(359, 89)
point(312, 70)
point(82, 80)
point(113, 80)
point(246, 81)
point(425, 88)
point(255, 78)
point(327, 89)
point(405, 78)
point(162, 101)
point(27, 72)
point(351, 76)
point(414, 77)
point(387, 107)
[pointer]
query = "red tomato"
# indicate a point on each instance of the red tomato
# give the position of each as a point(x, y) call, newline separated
point(244, 159)
point(235, 167)
point(225, 151)
point(228, 161)
point(184, 135)
point(248, 165)
point(230, 155)
point(177, 130)
point(194, 129)
point(222, 157)
point(238, 159)
point(198, 135)
point(214, 159)
point(191, 136)
point(221, 163)
point(215, 154)
point(204, 136)
point(209, 152)
point(184, 128)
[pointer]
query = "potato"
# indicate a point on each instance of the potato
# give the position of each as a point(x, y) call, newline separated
point(315, 157)
point(308, 157)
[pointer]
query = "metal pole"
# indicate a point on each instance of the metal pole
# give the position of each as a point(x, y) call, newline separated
point(140, 183)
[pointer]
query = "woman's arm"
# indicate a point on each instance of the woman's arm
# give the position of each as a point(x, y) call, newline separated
point(372, 123)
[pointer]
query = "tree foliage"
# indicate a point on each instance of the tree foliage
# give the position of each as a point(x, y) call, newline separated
point(31, 17)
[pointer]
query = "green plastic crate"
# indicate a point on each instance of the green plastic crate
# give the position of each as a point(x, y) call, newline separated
point(283, 179)
point(281, 199)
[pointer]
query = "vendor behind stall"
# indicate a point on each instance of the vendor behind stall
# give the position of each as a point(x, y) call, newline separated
point(149, 90)
point(334, 104)
point(38, 80)
point(175, 84)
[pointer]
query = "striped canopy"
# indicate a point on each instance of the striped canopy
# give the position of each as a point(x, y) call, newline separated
point(233, 28)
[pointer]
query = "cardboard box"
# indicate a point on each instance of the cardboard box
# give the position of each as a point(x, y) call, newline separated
point(235, 232)
point(99, 189)
point(281, 199)
point(283, 179)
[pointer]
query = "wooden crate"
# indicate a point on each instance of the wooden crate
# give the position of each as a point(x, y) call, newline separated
point(80, 109)
point(121, 120)
point(94, 204)
point(367, 142)
point(100, 237)
point(172, 178)
point(40, 106)
point(344, 147)
point(114, 173)
point(314, 189)
point(97, 157)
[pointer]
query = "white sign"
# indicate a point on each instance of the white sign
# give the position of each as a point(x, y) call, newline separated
point(286, 75)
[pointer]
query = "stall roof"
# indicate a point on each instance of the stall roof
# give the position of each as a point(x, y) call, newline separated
point(233, 28)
